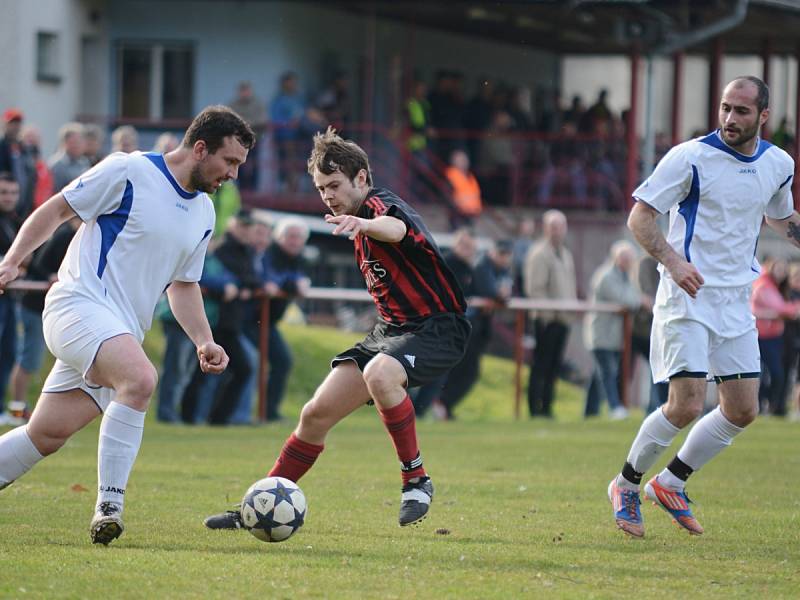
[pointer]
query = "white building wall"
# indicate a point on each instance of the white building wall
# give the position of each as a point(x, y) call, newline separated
point(10, 64)
point(46, 104)
point(258, 41)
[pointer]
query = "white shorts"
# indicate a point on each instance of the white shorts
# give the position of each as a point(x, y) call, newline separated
point(63, 378)
point(74, 331)
point(713, 334)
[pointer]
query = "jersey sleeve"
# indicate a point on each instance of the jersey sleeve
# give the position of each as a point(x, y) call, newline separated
point(670, 181)
point(101, 189)
point(781, 205)
point(192, 270)
point(412, 237)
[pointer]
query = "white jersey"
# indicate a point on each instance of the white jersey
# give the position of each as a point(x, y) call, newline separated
point(716, 198)
point(140, 232)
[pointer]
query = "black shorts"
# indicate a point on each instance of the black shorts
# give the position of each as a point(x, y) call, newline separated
point(427, 349)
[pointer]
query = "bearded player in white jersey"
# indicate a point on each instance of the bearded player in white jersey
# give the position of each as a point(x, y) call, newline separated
point(717, 190)
point(147, 221)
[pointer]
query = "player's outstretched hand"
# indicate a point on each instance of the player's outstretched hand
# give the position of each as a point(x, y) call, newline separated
point(687, 277)
point(213, 358)
point(347, 225)
point(8, 273)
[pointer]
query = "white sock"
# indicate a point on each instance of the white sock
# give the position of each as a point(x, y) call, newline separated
point(120, 438)
point(655, 435)
point(18, 455)
point(710, 435)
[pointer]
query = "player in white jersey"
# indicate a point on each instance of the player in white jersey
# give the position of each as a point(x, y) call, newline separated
point(717, 190)
point(147, 221)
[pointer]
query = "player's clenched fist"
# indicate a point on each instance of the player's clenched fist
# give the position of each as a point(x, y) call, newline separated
point(8, 273)
point(213, 358)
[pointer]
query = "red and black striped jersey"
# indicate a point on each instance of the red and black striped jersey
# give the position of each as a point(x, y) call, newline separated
point(409, 279)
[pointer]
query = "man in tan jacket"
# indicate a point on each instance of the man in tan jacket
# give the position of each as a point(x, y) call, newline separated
point(549, 275)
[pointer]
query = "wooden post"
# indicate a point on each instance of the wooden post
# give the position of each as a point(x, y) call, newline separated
point(263, 359)
point(519, 354)
point(627, 331)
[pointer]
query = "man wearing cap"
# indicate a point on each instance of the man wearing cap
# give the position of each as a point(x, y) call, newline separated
point(14, 158)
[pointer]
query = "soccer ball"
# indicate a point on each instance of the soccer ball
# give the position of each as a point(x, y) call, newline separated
point(273, 508)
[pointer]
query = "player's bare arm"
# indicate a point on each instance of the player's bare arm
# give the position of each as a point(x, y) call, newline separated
point(37, 229)
point(186, 303)
point(383, 229)
point(788, 227)
point(642, 223)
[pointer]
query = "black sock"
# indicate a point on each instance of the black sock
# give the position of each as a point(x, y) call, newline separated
point(680, 469)
point(629, 473)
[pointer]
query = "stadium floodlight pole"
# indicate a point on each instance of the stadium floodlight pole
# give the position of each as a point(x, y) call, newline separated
point(697, 36)
point(674, 45)
point(649, 143)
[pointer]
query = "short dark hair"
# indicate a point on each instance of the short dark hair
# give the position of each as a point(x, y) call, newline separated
point(214, 124)
point(331, 153)
point(7, 177)
point(762, 100)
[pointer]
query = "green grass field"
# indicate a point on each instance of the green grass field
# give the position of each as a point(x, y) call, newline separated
point(520, 511)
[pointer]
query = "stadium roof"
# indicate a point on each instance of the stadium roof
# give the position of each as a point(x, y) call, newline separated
point(606, 26)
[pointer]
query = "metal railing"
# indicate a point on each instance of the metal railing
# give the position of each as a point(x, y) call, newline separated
point(521, 307)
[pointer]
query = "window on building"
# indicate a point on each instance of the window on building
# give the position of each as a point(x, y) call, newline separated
point(155, 80)
point(47, 57)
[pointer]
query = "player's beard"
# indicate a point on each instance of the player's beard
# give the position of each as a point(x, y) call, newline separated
point(198, 182)
point(742, 137)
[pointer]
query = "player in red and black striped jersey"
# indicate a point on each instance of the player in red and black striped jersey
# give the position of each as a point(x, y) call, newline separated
point(421, 333)
point(409, 280)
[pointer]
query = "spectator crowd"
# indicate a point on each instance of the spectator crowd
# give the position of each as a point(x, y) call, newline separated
point(482, 147)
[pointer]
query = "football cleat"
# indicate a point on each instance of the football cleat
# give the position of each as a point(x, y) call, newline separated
point(675, 503)
point(415, 501)
point(230, 519)
point(107, 524)
point(627, 511)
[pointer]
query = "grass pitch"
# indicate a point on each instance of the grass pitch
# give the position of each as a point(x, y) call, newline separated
point(520, 511)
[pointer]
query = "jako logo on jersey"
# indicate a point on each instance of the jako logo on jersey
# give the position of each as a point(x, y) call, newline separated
point(183, 207)
point(747, 171)
point(410, 358)
point(373, 272)
point(80, 184)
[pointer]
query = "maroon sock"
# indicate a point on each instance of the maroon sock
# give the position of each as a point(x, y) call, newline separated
point(295, 459)
point(402, 426)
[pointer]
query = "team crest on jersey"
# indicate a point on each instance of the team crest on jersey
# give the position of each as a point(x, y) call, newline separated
point(375, 274)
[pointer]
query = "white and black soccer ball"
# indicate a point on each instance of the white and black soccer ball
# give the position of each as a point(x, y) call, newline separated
point(273, 508)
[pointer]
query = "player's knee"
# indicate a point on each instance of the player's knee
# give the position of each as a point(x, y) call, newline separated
point(314, 416)
point(681, 414)
point(379, 379)
point(139, 387)
point(741, 416)
point(46, 442)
